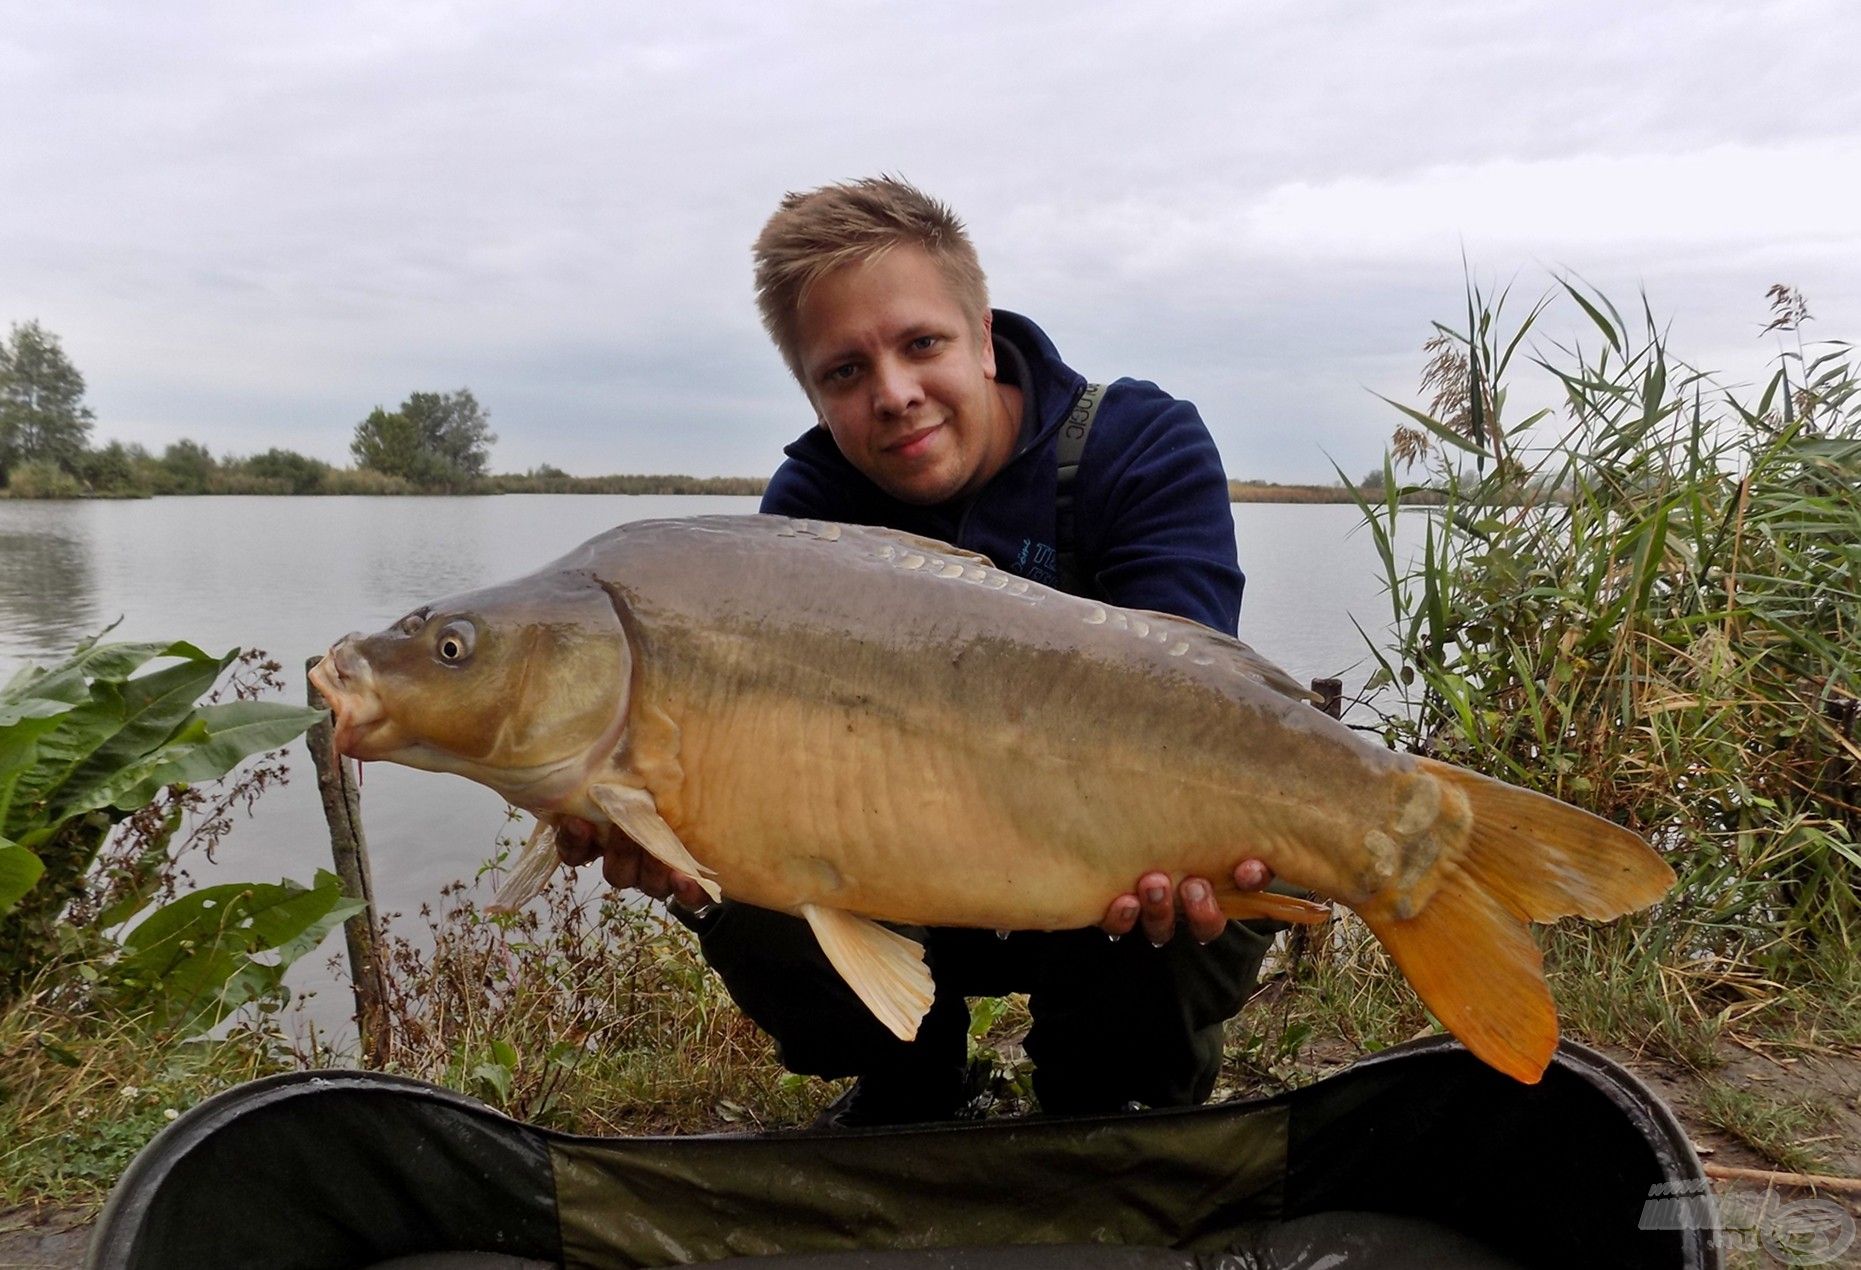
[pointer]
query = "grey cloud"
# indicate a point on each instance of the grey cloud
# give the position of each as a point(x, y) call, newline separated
point(252, 223)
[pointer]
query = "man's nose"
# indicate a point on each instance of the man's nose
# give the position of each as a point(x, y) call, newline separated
point(895, 390)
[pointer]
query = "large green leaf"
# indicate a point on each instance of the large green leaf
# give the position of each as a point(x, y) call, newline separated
point(28, 709)
point(81, 762)
point(109, 663)
point(19, 751)
point(154, 706)
point(194, 960)
point(213, 742)
point(19, 869)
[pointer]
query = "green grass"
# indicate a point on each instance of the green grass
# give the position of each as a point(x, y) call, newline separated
point(1778, 1127)
point(83, 1089)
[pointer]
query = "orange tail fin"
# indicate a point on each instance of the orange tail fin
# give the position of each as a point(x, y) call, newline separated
point(1528, 858)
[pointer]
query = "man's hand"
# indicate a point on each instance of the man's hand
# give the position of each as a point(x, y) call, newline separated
point(1152, 904)
point(624, 865)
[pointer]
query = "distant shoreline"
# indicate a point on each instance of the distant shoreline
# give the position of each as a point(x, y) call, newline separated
point(685, 486)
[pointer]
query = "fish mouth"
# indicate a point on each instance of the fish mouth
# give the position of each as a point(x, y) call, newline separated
point(346, 683)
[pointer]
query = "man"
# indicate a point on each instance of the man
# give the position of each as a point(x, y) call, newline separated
point(941, 417)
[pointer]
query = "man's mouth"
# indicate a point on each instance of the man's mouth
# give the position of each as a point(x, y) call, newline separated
point(913, 444)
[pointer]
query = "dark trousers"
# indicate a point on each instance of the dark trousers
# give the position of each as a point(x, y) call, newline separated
point(1114, 1022)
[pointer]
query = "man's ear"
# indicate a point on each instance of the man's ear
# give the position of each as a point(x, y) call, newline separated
point(988, 344)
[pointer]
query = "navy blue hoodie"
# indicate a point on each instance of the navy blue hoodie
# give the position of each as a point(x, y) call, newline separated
point(1154, 525)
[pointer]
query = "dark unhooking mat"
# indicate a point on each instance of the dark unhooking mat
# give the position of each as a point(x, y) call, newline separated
point(1420, 1156)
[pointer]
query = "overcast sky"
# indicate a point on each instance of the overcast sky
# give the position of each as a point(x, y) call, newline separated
point(251, 223)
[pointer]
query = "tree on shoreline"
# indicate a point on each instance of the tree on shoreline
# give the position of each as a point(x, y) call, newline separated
point(430, 439)
point(43, 418)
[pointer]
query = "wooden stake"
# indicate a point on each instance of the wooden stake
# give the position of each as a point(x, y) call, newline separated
point(342, 809)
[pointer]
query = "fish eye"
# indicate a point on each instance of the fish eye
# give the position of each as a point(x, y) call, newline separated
point(411, 624)
point(455, 641)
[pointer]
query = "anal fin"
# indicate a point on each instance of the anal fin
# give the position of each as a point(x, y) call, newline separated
point(633, 812)
point(1245, 906)
point(884, 969)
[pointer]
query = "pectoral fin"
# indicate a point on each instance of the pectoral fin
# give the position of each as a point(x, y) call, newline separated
point(632, 810)
point(530, 873)
point(884, 969)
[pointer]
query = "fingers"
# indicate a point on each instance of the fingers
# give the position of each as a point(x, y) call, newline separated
point(620, 865)
point(1201, 914)
point(575, 842)
point(1252, 875)
point(1120, 917)
point(626, 867)
point(687, 892)
point(655, 878)
point(1154, 907)
point(1158, 910)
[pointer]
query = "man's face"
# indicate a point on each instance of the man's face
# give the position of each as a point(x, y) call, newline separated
point(903, 380)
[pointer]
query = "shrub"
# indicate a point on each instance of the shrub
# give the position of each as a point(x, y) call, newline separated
point(1650, 612)
point(346, 480)
point(90, 747)
point(42, 480)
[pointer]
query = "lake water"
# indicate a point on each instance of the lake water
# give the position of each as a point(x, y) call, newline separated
point(290, 575)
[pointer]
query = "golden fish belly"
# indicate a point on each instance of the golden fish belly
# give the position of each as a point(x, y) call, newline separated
point(994, 785)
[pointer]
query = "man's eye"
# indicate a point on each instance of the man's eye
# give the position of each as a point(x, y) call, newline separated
point(924, 343)
point(842, 373)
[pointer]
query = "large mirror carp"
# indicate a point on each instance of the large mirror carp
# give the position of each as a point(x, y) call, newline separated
point(857, 726)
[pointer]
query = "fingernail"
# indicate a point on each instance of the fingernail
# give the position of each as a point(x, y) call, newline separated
point(1195, 892)
point(1155, 894)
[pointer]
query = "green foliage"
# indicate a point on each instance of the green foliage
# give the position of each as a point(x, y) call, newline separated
point(103, 759)
point(596, 1015)
point(83, 1087)
point(89, 743)
point(1776, 1125)
point(186, 468)
point(196, 959)
point(550, 480)
point(431, 440)
point(361, 480)
point(1648, 607)
point(111, 470)
point(387, 442)
point(297, 473)
point(39, 479)
point(43, 417)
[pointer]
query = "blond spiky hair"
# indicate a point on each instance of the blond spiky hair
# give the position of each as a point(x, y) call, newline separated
point(814, 233)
